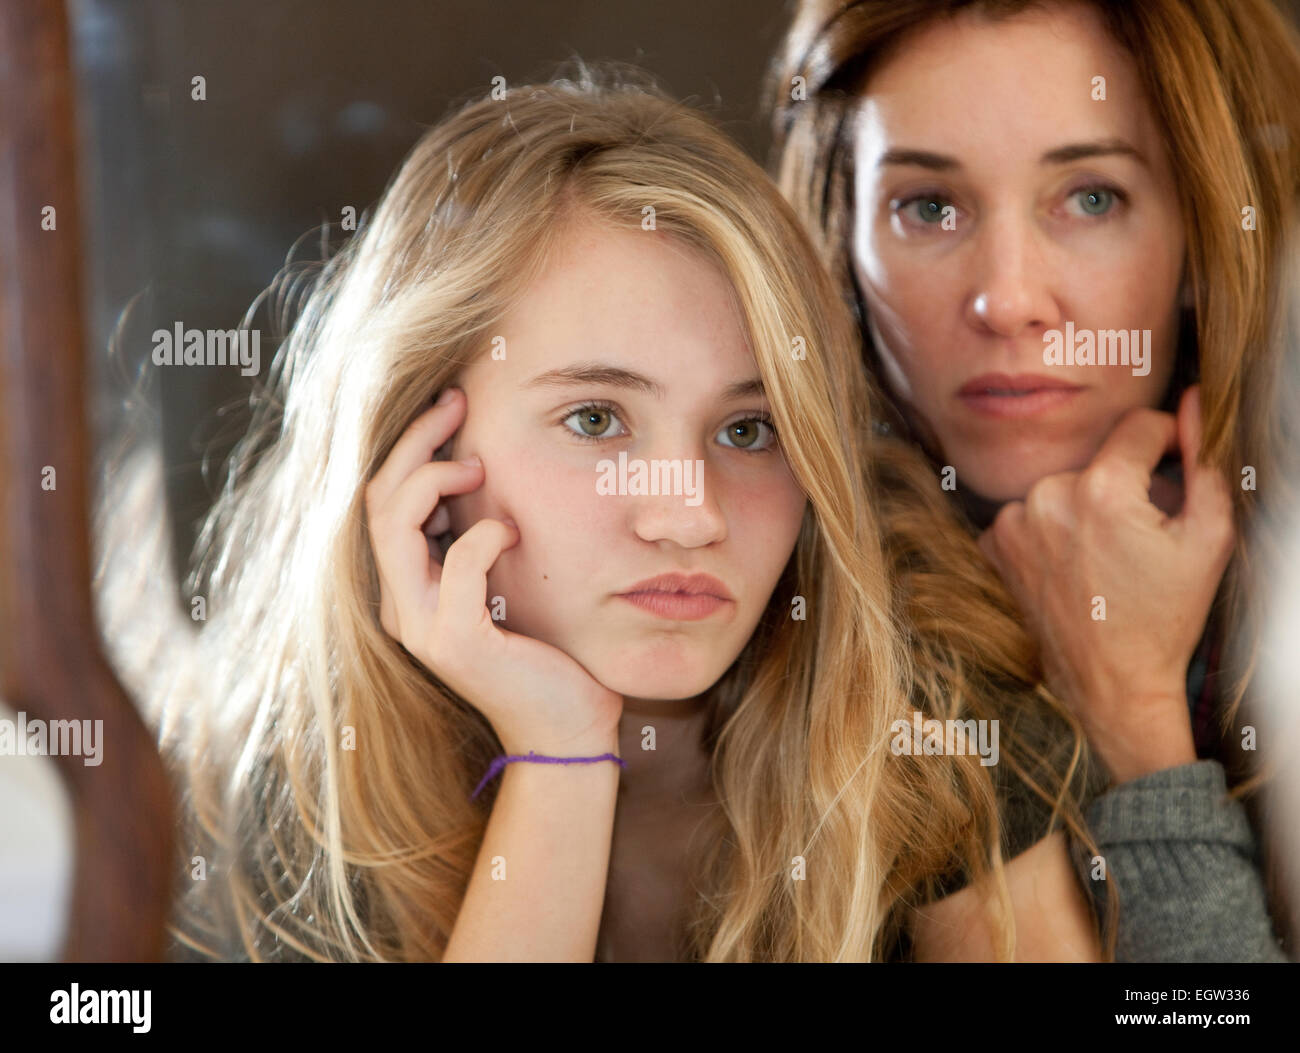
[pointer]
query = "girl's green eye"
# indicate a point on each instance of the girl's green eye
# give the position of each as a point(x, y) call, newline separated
point(748, 434)
point(744, 433)
point(593, 422)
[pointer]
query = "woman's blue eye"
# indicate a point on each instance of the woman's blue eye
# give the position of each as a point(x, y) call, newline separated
point(1095, 200)
point(928, 209)
point(746, 434)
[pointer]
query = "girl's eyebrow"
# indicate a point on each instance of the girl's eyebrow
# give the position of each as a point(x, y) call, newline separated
point(1056, 156)
point(592, 373)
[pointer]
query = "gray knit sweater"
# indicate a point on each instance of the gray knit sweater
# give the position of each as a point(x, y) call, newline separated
point(1182, 857)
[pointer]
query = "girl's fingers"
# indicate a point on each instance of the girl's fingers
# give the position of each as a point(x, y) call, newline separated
point(425, 434)
point(462, 592)
point(405, 577)
point(439, 524)
point(416, 497)
point(407, 568)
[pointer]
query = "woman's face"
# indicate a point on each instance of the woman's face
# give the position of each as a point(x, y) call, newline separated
point(629, 348)
point(1060, 209)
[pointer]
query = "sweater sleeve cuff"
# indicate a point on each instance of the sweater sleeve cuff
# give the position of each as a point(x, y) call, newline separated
point(1186, 803)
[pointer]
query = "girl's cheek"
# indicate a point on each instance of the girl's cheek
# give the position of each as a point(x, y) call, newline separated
point(487, 501)
point(775, 507)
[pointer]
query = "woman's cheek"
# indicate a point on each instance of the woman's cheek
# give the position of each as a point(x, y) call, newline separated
point(913, 374)
point(908, 333)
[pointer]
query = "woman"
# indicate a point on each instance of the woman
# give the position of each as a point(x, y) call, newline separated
point(998, 186)
point(397, 593)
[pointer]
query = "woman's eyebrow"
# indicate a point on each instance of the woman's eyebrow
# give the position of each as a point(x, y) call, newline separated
point(1097, 148)
point(919, 158)
point(616, 376)
point(1056, 156)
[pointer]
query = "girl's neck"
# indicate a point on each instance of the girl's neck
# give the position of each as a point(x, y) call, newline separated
point(661, 742)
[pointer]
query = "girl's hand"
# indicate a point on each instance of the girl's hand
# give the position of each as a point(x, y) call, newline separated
point(535, 696)
point(1083, 538)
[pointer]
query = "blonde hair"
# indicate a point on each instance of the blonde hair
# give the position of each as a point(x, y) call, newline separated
point(1223, 79)
point(325, 853)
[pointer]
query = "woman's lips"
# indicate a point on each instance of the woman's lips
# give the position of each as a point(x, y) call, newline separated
point(1022, 395)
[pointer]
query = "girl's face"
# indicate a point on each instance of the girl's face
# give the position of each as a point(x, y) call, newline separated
point(629, 348)
point(998, 198)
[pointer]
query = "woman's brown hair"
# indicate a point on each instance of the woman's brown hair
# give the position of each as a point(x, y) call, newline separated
point(1223, 80)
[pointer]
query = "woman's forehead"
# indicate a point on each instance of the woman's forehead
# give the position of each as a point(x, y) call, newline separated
point(1029, 81)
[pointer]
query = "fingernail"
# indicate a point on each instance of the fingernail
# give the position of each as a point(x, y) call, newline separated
point(447, 395)
point(510, 523)
point(472, 461)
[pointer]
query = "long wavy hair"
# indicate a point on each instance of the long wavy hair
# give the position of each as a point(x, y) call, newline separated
point(1222, 79)
point(310, 850)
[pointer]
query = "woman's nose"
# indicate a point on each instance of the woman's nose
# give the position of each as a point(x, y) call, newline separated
point(1012, 288)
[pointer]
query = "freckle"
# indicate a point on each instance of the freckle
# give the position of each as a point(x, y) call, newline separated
point(545, 578)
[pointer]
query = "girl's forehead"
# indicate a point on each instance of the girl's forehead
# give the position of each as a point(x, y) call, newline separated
point(612, 288)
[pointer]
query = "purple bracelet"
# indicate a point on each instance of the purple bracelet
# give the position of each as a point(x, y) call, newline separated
point(537, 758)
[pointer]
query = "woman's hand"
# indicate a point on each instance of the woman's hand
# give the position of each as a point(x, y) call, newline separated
point(1083, 538)
point(535, 696)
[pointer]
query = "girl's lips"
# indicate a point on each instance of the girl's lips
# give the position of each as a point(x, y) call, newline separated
point(679, 606)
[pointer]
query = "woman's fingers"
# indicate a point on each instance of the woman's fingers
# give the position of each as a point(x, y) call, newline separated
point(1134, 448)
point(1166, 495)
point(1003, 542)
point(1207, 505)
point(426, 434)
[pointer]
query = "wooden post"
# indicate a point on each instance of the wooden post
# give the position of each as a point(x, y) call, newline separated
point(51, 663)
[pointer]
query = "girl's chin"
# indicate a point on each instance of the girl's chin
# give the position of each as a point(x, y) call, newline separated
point(658, 690)
point(659, 679)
